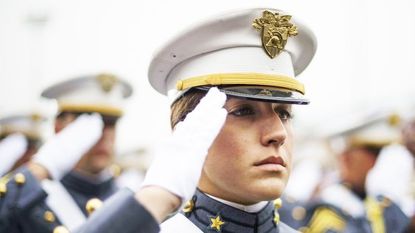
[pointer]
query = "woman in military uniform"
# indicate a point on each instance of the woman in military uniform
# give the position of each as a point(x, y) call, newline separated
point(252, 57)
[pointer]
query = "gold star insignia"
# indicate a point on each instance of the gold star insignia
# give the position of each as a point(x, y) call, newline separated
point(216, 223)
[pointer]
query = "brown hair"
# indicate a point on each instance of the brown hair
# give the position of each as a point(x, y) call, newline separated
point(184, 105)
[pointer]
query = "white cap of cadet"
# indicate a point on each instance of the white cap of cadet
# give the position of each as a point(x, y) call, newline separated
point(253, 53)
point(101, 93)
point(28, 124)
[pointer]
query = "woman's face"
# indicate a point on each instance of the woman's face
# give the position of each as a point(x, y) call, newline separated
point(250, 159)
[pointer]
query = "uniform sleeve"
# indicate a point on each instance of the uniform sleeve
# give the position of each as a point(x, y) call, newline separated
point(121, 213)
point(19, 192)
point(325, 219)
point(395, 221)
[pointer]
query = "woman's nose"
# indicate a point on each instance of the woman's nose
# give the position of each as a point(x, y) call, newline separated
point(274, 131)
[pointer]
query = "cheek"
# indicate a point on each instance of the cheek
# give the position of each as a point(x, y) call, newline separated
point(229, 153)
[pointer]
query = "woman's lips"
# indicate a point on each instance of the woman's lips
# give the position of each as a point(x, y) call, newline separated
point(272, 163)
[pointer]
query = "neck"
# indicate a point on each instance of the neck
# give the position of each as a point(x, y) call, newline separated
point(98, 177)
point(247, 208)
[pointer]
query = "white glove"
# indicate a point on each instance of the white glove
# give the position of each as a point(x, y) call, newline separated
point(178, 162)
point(61, 153)
point(11, 149)
point(391, 176)
point(303, 189)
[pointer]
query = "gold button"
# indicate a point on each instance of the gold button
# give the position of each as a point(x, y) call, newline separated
point(60, 229)
point(3, 189)
point(93, 205)
point(276, 218)
point(189, 206)
point(20, 179)
point(49, 216)
point(298, 213)
point(115, 170)
point(277, 203)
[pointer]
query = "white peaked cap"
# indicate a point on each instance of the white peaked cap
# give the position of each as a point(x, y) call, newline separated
point(29, 125)
point(376, 128)
point(102, 93)
point(229, 50)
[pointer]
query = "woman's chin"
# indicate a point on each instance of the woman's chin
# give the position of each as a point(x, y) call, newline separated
point(269, 191)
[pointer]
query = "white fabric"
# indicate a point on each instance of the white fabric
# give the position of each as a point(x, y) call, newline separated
point(60, 154)
point(218, 34)
point(63, 205)
point(304, 180)
point(341, 197)
point(26, 123)
point(11, 149)
point(391, 177)
point(88, 91)
point(130, 178)
point(178, 224)
point(178, 161)
point(247, 208)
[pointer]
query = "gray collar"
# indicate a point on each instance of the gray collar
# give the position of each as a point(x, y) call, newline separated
point(210, 215)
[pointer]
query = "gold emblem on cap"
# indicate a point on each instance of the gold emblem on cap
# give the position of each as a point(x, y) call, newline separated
point(93, 205)
point(107, 81)
point(394, 120)
point(275, 30)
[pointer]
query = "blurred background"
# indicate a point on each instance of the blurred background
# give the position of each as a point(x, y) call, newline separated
point(365, 58)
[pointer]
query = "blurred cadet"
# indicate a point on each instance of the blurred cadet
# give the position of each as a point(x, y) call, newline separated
point(103, 94)
point(408, 139)
point(24, 203)
point(130, 168)
point(78, 156)
point(345, 206)
point(312, 159)
point(248, 61)
point(20, 149)
point(393, 174)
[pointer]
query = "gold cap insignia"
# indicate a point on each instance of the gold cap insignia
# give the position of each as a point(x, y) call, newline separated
point(275, 29)
point(107, 81)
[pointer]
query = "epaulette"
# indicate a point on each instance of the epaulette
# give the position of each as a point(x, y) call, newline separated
point(325, 219)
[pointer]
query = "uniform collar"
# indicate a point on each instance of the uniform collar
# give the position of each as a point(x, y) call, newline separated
point(206, 211)
point(88, 185)
point(247, 208)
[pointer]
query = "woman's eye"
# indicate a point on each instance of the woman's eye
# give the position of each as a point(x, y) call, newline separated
point(284, 115)
point(242, 111)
